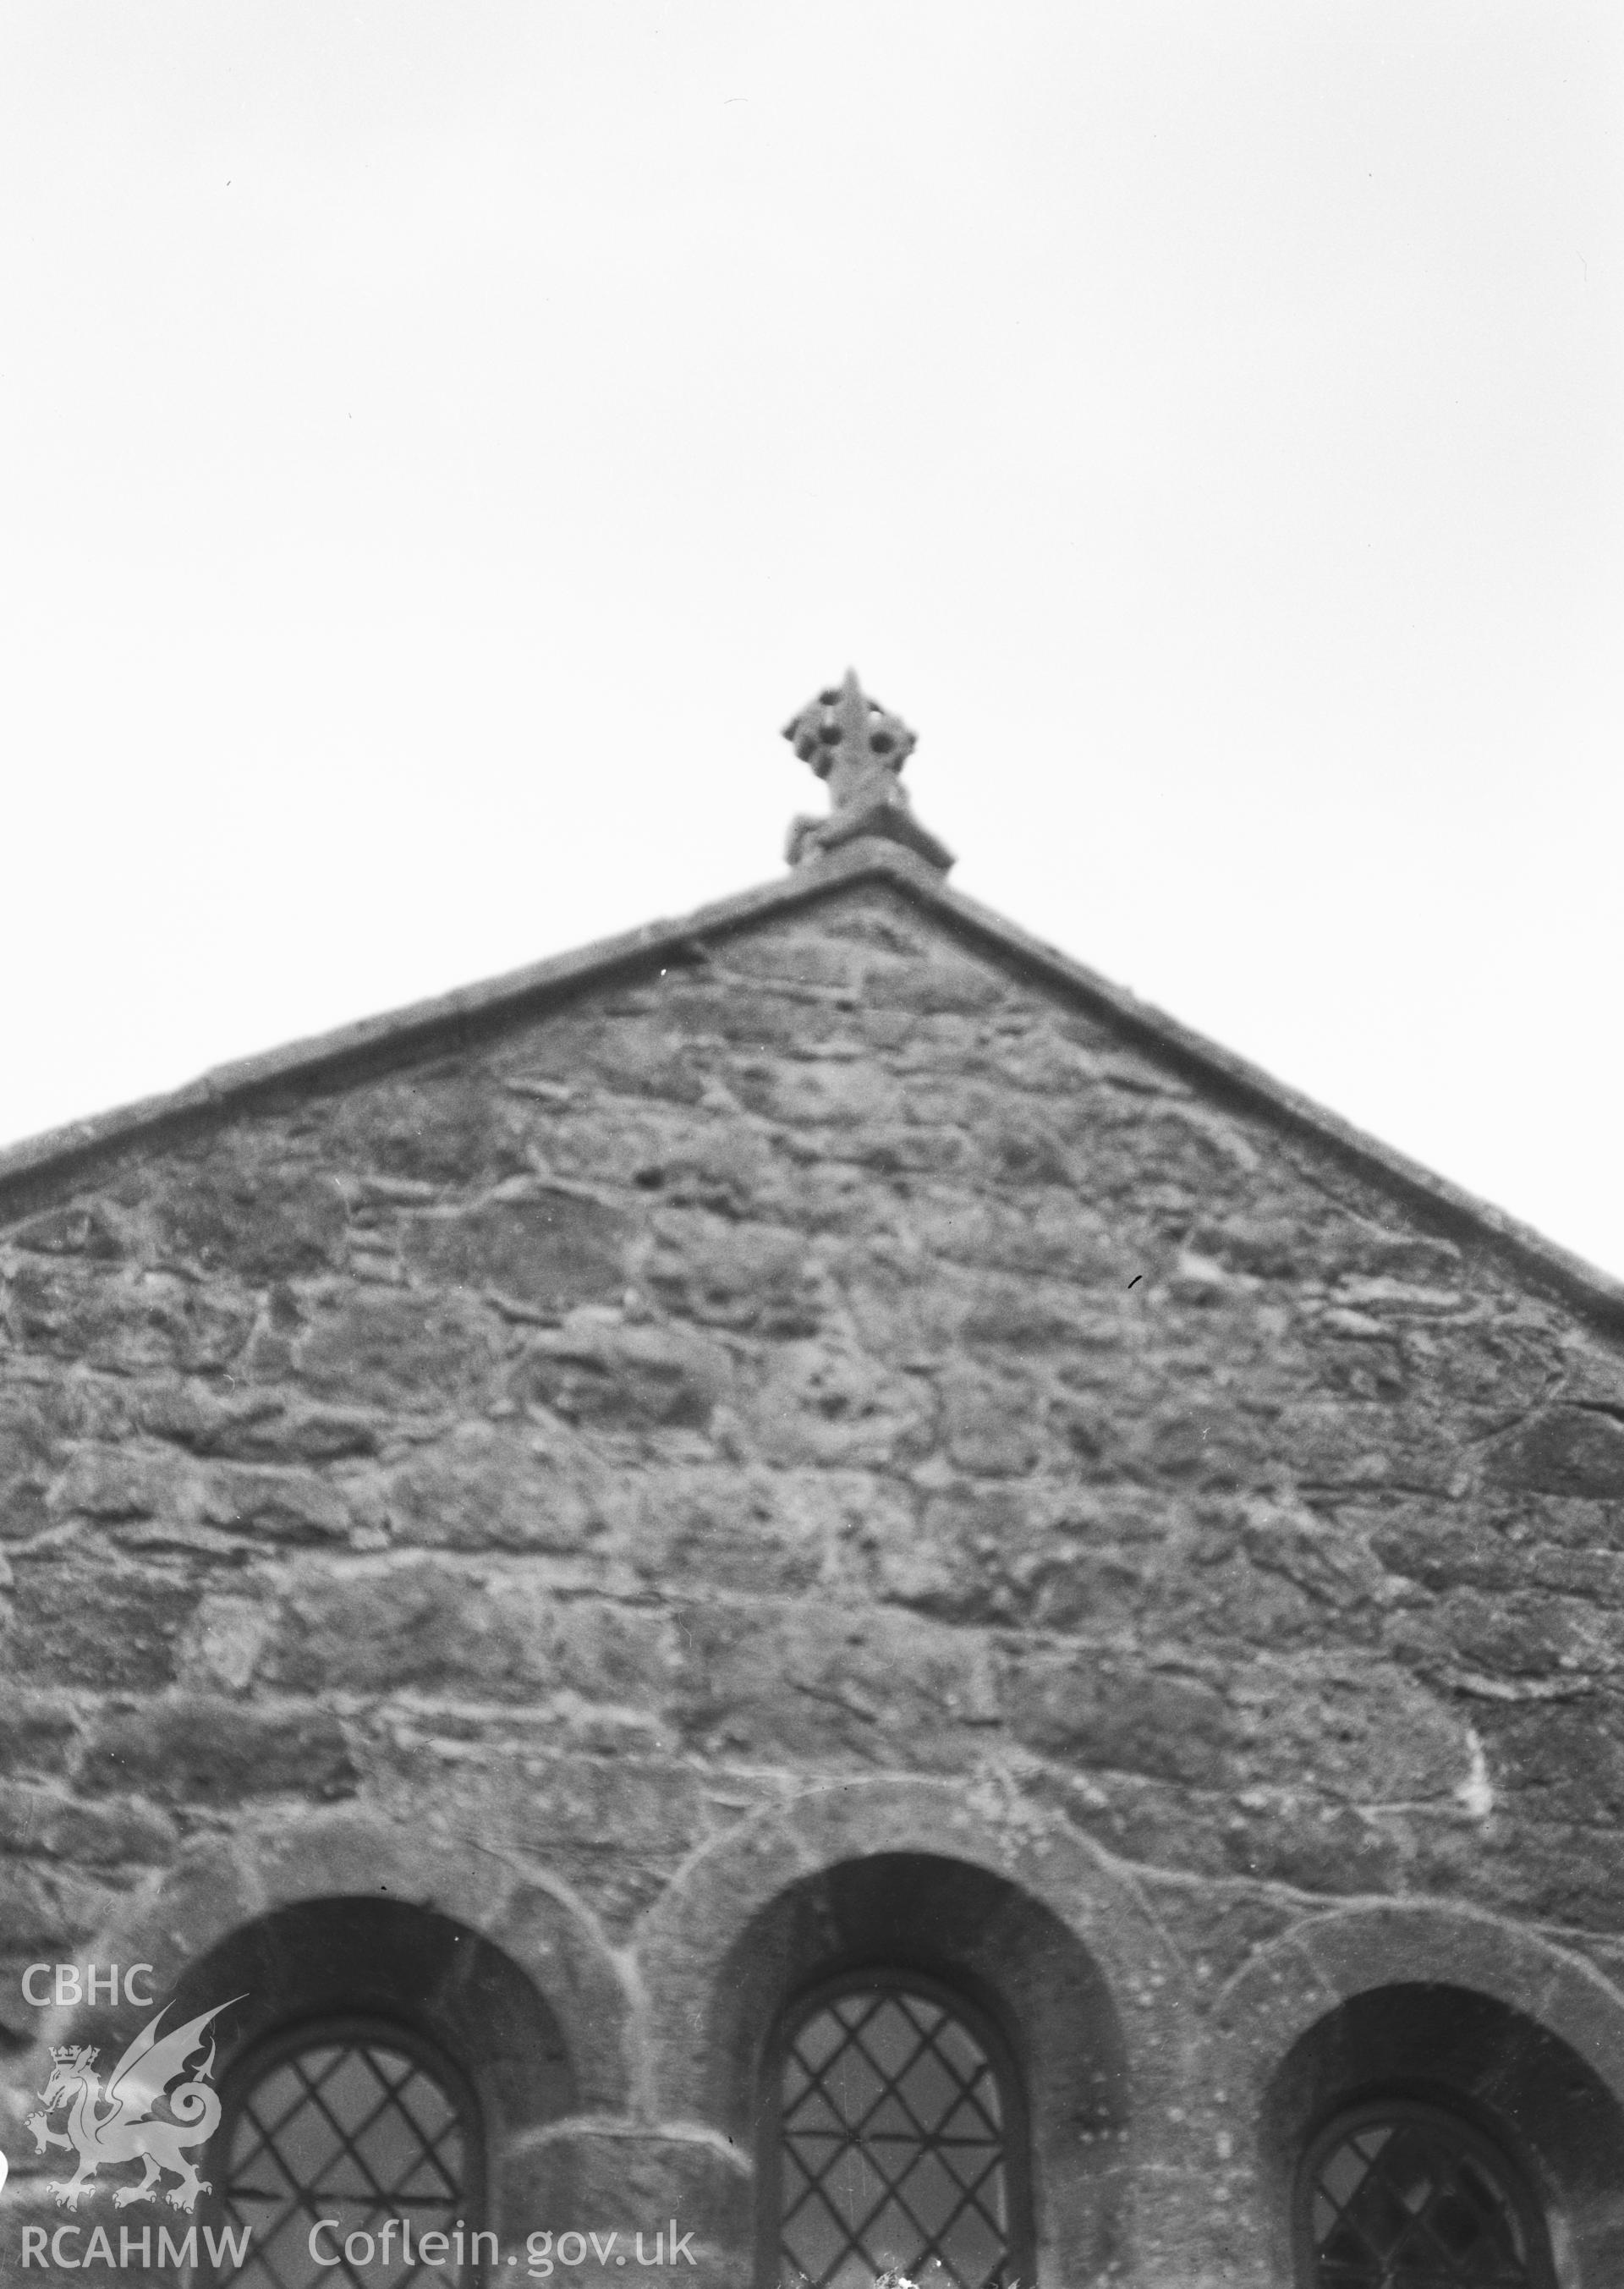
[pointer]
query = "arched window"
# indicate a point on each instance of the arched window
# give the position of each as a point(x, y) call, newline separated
point(360, 2124)
point(896, 2142)
point(1400, 2195)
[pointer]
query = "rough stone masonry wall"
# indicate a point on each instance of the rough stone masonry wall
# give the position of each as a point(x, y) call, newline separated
point(832, 1357)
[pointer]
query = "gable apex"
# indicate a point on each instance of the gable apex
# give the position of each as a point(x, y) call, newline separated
point(32, 1169)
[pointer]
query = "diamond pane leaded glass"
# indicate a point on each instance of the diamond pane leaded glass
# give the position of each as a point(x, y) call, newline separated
point(1408, 2200)
point(892, 2148)
point(354, 2131)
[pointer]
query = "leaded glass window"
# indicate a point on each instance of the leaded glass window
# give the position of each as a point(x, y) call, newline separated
point(361, 2127)
point(895, 2149)
point(1400, 2195)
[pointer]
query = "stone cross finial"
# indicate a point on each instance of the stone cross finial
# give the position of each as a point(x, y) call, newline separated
point(859, 747)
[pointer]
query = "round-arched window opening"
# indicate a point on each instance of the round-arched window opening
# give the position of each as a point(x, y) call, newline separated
point(349, 2152)
point(899, 2142)
point(1401, 2195)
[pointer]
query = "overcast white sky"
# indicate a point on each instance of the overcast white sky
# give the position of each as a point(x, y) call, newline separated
point(443, 443)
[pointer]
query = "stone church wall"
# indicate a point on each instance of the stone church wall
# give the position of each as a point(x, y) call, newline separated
point(834, 1398)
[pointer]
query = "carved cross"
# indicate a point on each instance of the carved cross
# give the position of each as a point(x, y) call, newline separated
point(859, 747)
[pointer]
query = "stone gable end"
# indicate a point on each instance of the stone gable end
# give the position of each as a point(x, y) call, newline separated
point(832, 1355)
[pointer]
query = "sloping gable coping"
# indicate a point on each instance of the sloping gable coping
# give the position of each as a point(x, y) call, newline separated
point(32, 1169)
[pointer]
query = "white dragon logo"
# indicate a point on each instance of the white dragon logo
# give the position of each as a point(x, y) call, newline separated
point(128, 2130)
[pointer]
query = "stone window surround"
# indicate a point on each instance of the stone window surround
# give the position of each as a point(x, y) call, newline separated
point(1300, 2020)
point(628, 2019)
